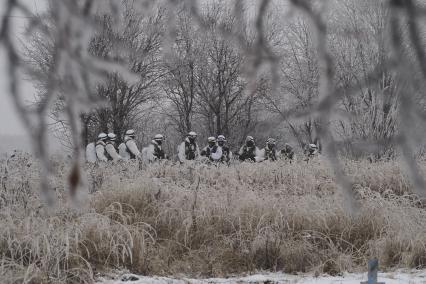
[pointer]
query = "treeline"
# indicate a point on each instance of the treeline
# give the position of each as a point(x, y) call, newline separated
point(199, 69)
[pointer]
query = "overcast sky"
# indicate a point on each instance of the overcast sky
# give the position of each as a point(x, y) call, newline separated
point(10, 123)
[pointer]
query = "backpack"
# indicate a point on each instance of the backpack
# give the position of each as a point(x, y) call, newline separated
point(158, 152)
point(190, 149)
point(270, 154)
point(225, 153)
point(249, 153)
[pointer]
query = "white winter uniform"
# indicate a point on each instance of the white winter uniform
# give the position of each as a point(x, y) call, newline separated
point(91, 153)
point(100, 151)
point(112, 152)
point(128, 148)
point(148, 153)
point(259, 155)
point(122, 151)
point(216, 156)
point(182, 151)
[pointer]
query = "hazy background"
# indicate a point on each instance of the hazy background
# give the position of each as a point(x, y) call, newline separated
point(12, 131)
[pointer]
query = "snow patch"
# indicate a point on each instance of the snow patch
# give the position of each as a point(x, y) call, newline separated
point(395, 277)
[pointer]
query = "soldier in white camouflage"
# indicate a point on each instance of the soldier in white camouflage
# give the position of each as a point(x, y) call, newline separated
point(128, 149)
point(155, 151)
point(212, 151)
point(111, 151)
point(100, 147)
point(188, 149)
point(270, 150)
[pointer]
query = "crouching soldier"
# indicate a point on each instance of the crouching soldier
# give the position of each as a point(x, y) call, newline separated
point(128, 149)
point(249, 151)
point(212, 151)
point(287, 153)
point(110, 148)
point(155, 151)
point(100, 147)
point(226, 153)
point(188, 149)
point(311, 152)
point(270, 150)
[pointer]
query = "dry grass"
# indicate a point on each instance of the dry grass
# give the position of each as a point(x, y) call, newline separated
point(208, 221)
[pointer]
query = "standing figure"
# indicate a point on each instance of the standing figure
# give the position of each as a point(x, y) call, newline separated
point(110, 148)
point(288, 152)
point(100, 147)
point(270, 150)
point(212, 151)
point(226, 153)
point(249, 151)
point(155, 150)
point(128, 149)
point(188, 149)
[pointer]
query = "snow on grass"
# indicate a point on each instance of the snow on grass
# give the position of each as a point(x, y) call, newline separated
point(396, 277)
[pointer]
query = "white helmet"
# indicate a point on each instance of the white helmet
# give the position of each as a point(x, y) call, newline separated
point(313, 146)
point(211, 139)
point(130, 132)
point(112, 136)
point(159, 137)
point(102, 136)
point(249, 138)
point(192, 134)
point(221, 138)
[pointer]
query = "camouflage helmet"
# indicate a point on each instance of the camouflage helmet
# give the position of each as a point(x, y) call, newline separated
point(130, 133)
point(102, 136)
point(158, 137)
point(112, 136)
point(313, 146)
point(192, 134)
point(221, 138)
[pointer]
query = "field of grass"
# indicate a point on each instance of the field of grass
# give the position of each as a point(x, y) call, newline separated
point(203, 221)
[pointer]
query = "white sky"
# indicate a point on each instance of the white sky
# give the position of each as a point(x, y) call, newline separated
point(10, 123)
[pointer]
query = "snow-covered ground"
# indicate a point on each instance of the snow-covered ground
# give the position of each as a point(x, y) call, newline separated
point(403, 277)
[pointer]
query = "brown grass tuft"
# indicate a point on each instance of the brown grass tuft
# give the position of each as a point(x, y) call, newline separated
point(207, 221)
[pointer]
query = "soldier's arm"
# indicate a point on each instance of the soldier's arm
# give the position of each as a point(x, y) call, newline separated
point(122, 151)
point(241, 154)
point(197, 151)
point(150, 153)
point(131, 145)
point(241, 151)
point(230, 155)
point(260, 155)
point(100, 153)
point(112, 152)
point(181, 152)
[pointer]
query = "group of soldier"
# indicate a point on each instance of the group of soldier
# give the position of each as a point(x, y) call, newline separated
point(216, 150)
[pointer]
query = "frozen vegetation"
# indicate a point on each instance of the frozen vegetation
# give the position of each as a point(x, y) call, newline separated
point(204, 221)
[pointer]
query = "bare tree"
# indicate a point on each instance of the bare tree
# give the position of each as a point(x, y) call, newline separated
point(134, 43)
point(180, 85)
point(360, 47)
